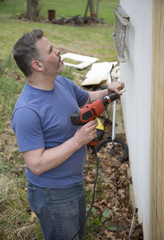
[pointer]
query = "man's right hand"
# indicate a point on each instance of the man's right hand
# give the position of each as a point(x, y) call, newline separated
point(86, 133)
point(41, 160)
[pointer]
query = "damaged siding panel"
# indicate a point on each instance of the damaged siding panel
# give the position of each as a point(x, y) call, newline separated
point(136, 73)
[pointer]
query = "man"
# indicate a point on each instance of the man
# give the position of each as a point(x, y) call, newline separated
point(53, 148)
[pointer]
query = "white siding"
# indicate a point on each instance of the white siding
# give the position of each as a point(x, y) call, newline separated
point(136, 102)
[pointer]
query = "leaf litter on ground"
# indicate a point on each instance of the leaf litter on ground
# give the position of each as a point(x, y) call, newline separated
point(113, 212)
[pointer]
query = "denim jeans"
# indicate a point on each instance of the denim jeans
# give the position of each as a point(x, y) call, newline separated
point(61, 212)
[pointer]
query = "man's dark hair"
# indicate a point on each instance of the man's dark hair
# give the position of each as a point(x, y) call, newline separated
point(24, 51)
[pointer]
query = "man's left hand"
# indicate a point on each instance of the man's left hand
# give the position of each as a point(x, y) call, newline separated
point(115, 87)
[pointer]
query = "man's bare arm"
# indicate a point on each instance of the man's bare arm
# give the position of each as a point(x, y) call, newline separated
point(112, 87)
point(41, 160)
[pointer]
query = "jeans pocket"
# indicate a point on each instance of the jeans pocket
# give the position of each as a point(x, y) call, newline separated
point(63, 203)
point(31, 196)
point(64, 209)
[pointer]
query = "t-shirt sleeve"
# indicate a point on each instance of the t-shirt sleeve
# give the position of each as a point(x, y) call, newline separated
point(27, 127)
point(80, 94)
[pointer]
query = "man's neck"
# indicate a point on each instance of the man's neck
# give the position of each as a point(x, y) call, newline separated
point(41, 82)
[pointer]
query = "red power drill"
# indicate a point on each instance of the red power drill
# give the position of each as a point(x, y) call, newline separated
point(92, 111)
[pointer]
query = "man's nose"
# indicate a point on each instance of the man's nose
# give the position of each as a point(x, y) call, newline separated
point(57, 51)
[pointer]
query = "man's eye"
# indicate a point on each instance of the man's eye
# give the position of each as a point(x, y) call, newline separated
point(51, 48)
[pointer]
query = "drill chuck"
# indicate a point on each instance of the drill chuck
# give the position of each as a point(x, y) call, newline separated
point(112, 97)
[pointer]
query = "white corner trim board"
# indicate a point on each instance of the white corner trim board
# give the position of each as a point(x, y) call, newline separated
point(84, 61)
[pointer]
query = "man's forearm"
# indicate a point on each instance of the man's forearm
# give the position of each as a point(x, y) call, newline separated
point(97, 94)
point(112, 87)
point(53, 157)
point(41, 160)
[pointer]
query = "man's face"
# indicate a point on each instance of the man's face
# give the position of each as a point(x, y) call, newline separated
point(50, 57)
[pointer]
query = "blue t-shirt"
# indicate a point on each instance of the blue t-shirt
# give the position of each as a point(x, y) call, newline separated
point(40, 119)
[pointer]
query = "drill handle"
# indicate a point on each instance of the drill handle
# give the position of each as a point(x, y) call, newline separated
point(93, 145)
point(88, 112)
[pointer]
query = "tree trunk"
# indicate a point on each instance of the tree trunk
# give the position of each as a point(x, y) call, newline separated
point(97, 8)
point(32, 9)
point(86, 10)
point(91, 4)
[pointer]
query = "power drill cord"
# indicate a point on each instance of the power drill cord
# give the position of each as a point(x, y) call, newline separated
point(94, 190)
point(95, 150)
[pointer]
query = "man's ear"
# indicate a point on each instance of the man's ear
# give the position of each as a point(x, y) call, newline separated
point(37, 65)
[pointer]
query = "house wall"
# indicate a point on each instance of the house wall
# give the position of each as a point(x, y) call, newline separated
point(136, 102)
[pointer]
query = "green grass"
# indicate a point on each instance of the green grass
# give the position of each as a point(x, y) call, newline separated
point(96, 41)
point(90, 41)
point(66, 8)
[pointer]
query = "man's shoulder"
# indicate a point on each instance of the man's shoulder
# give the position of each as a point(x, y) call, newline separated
point(23, 106)
point(63, 80)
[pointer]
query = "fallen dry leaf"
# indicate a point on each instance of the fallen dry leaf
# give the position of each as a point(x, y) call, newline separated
point(33, 217)
point(9, 157)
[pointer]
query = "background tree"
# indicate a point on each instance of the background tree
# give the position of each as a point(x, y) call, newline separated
point(97, 8)
point(90, 4)
point(32, 9)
